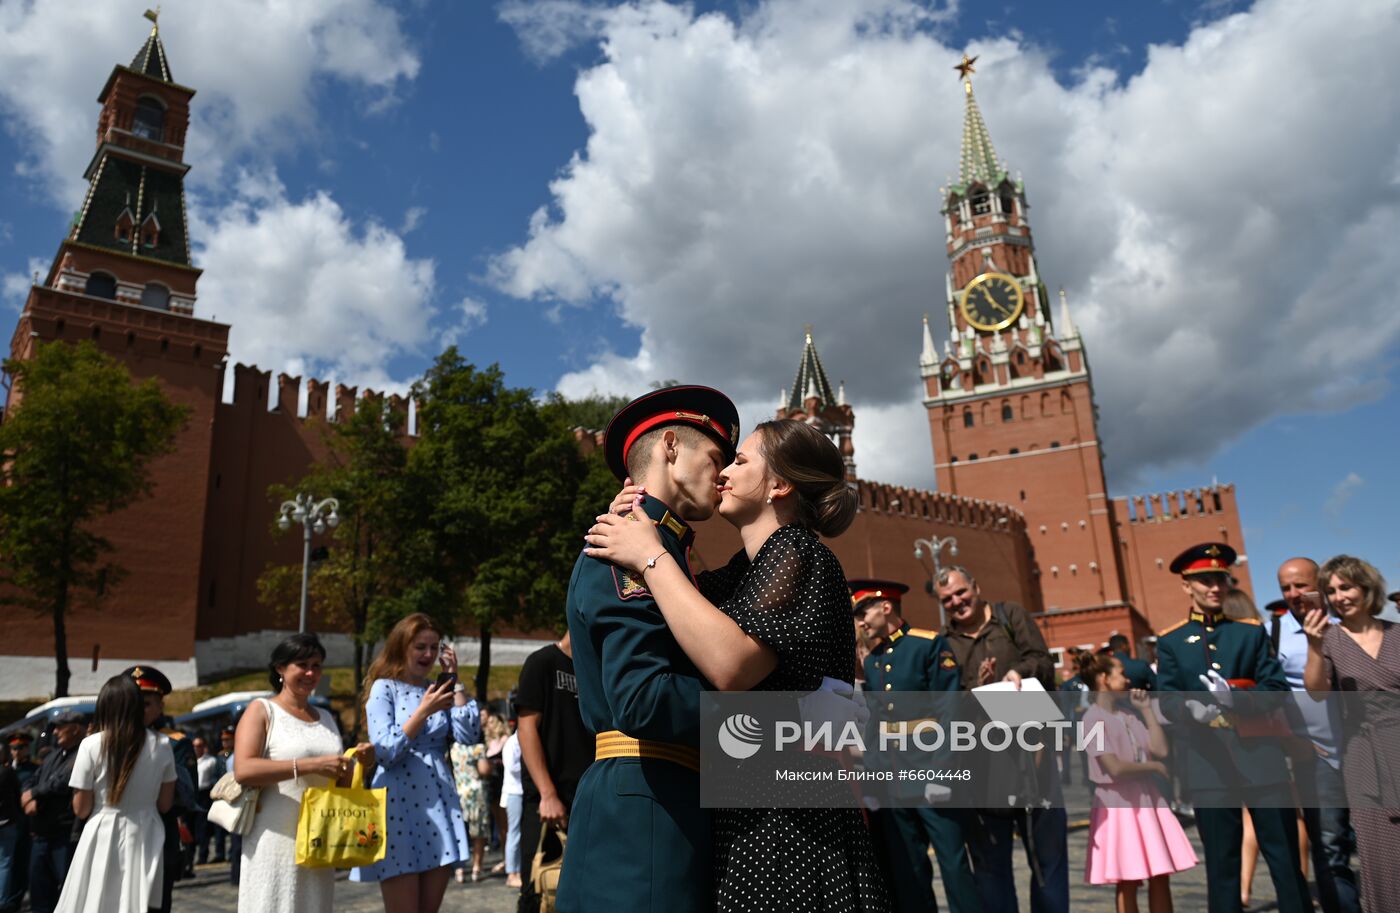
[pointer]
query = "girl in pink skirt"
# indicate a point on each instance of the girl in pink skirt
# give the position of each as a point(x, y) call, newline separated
point(1133, 835)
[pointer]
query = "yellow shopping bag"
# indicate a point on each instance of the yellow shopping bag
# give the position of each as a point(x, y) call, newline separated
point(342, 827)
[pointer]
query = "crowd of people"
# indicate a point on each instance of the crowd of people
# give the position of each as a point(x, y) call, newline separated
point(591, 772)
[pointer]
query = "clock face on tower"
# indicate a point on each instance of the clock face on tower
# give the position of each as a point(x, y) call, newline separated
point(992, 301)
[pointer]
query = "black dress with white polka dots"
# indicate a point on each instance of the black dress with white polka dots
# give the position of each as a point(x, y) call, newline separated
point(793, 597)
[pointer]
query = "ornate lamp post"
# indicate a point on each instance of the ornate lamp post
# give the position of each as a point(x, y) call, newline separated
point(313, 516)
point(933, 546)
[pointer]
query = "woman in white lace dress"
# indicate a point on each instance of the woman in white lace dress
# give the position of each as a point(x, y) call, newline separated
point(303, 749)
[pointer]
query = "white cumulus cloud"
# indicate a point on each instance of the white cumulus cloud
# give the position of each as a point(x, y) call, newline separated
point(254, 64)
point(307, 290)
point(1211, 217)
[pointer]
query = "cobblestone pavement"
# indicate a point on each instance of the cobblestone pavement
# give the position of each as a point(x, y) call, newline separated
point(210, 891)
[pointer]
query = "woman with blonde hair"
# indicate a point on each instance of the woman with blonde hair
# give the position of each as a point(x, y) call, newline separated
point(1362, 653)
point(412, 721)
point(123, 781)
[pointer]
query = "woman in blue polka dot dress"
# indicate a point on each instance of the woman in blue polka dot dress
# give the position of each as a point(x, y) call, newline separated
point(412, 722)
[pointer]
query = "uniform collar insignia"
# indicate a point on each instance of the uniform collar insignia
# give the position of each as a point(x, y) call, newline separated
point(903, 629)
point(668, 521)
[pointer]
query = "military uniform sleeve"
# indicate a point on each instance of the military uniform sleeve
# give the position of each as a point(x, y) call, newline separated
point(1170, 681)
point(637, 655)
point(1268, 673)
point(943, 677)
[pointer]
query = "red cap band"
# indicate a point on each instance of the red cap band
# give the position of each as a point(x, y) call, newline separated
point(859, 595)
point(663, 418)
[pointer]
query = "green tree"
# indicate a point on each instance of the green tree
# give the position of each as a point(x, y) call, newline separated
point(77, 447)
point(497, 475)
point(360, 581)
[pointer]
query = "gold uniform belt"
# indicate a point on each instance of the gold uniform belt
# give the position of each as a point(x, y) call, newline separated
point(614, 744)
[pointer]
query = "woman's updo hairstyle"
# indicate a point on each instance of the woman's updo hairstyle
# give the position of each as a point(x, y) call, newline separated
point(808, 461)
point(1093, 666)
point(294, 649)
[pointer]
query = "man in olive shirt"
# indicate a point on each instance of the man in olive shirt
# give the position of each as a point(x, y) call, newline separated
point(1001, 643)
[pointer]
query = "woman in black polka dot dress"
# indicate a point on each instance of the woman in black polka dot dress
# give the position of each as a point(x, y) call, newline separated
point(782, 623)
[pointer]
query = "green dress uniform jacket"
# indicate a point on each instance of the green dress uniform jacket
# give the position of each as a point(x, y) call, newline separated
point(638, 838)
point(1224, 771)
point(1216, 757)
point(918, 660)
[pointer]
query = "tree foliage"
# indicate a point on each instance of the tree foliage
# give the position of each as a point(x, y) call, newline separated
point(77, 447)
point(498, 475)
point(359, 583)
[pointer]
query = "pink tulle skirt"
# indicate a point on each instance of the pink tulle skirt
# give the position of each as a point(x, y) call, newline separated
point(1134, 837)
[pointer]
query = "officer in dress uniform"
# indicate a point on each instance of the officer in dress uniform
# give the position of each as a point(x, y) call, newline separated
point(154, 687)
point(1216, 656)
point(638, 839)
point(908, 659)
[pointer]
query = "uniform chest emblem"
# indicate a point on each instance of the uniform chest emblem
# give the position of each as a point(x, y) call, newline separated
point(1193, 638)
point(629, 585)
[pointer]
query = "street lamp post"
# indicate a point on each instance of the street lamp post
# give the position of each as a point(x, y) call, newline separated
point(313, 516)
point(934, 545)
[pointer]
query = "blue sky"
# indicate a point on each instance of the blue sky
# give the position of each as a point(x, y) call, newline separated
point(598, 196)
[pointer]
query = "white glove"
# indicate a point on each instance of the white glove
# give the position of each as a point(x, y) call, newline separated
point(835, 703)
point(1203, 713)
point(1217, 685)
point(936, 792)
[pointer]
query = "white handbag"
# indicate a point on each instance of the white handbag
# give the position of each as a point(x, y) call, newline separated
point(235, 805)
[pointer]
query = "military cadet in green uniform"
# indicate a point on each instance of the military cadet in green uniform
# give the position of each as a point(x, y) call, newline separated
point(638, 839)
point(1215, 656)
point(905, 659)
point(154, 687)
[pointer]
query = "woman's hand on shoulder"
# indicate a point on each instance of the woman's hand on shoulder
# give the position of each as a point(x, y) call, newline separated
point(629, 542)
point(629, 498)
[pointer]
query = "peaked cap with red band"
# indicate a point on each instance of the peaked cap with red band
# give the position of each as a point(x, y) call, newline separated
point(865, 589)
point(703, 408)
point(1206, 558)
point(149, 678)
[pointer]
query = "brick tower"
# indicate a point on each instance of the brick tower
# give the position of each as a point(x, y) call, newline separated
point(811, 400)
point(1010, 400)
point(122, 279)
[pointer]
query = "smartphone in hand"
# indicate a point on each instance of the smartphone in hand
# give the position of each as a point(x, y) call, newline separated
point(447, 678)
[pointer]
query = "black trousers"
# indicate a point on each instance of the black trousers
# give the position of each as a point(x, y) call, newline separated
point(1222, 834)
point(530, 827)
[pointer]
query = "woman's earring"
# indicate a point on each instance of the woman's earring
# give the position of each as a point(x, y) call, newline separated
point(770, 499)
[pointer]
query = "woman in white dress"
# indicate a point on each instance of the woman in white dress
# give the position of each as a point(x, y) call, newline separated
point(303, 749)
point(123, 780)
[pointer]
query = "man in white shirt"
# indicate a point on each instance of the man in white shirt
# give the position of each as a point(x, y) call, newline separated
point(1330, 837)
point(209, 767)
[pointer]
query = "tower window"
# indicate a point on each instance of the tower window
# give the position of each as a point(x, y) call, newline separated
point(1006, 203)
point(149, 120)
point(1006, 412)
point(1054, 445)
point(101, 285)
point(972, 456)
point(1015, 450)
point(981, 202)
point(155, 296)
point(967, 418)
